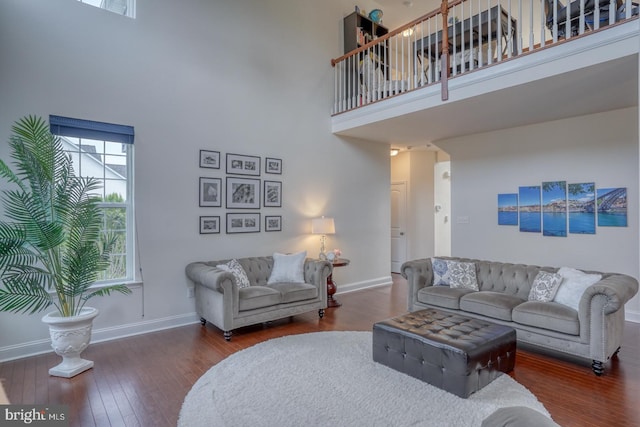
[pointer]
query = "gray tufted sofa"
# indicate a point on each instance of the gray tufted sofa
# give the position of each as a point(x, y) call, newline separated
point(593, 332)
point(220, 301)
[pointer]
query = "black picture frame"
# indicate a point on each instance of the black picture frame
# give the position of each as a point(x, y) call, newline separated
point(243, 222)
point(239, 164)
point(273, 223)
point(273, 165)
point(209, 225)
point(210, 190)
point(209, 159)
point(243, 193)
point(272, 194)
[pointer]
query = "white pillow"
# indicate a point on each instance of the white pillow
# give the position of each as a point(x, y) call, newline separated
point(545, 286)
point(238, 272)
point(287, 268)
point(463, 275)
point(573, 285)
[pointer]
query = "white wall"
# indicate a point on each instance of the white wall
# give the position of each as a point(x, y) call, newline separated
point(600, 148)
point(246, 77)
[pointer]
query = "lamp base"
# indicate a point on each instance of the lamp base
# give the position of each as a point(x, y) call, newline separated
point(322, 256)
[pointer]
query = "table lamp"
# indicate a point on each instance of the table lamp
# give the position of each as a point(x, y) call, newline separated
point(323, 226)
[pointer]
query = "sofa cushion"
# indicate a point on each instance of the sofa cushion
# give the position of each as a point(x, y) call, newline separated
point(547, 315)
point(288, 268)
point(257, 297)
point(442, 296)
point(545, 286)
point(490, 304)
point(238, 272)
point(573, 285)
point(295, 291)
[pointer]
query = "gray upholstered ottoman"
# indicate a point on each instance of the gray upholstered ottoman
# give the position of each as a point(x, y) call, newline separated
point(452, 352)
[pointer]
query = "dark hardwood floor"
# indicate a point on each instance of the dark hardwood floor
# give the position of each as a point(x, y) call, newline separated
point(142, 380)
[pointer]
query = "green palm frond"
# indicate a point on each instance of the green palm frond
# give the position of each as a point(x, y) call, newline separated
point(53, 237)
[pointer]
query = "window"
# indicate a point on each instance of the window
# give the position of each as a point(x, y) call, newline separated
point(105, 151)
point(121, 7)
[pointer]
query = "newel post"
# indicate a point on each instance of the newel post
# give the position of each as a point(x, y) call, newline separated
point(444, 58)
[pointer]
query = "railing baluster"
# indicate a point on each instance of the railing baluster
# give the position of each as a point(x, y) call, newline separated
point(473, 56)
point(567, 23)
point(612, 12)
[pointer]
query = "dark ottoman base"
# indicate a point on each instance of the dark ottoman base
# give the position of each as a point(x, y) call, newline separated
point(452, 352)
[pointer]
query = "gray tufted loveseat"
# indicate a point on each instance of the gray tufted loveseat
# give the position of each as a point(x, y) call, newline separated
point(220, 301)
point(593, 332)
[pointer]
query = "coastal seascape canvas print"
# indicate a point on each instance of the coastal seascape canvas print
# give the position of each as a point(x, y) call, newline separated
point(508, 209)
point(612, 207)
point(582, 212)
point(529, 212)
point(554, 208)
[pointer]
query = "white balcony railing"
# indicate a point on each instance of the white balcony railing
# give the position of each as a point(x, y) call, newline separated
point(478, 33)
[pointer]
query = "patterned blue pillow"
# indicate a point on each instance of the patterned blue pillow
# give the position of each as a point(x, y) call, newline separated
point(441, 273)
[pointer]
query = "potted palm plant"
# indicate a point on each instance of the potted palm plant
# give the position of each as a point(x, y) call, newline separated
point(52, 247)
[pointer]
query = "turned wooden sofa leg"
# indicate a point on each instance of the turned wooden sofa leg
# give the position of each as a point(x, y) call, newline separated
point(227, 335)
point(597, 367)
point(203, 321)
point(321, 313)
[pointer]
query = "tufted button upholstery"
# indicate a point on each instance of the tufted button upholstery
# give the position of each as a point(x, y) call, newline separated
point(455, 353)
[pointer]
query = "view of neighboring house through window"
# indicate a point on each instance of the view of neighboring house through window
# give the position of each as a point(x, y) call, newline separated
point(110, 162)
point(121, 7)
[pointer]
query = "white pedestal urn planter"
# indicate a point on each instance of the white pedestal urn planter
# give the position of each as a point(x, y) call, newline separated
point(69, 337)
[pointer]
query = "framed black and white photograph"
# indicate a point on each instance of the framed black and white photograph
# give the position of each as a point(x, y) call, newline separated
point(273, 223)
point(272, 194)
point(209, 225)
point(272, 165)
point(209, 159)
point(243, 193)
point(210, 192)
point(243, 222)
point(238, 164)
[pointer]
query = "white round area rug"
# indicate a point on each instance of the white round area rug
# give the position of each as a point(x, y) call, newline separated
point(330, 378)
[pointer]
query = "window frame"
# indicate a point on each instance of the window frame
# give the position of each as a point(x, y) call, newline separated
point(117, 134)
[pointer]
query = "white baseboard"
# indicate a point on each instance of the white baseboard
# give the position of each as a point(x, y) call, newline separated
point(36, 347)
point(632, 316)
point(367, 284)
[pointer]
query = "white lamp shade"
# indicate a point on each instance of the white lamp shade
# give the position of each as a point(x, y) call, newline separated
point(323, 226)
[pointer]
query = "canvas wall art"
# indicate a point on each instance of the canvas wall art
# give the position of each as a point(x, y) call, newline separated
point(612, 207)
point(508, 209)
point(554, 208)
point(529, 211)
point(581, 206)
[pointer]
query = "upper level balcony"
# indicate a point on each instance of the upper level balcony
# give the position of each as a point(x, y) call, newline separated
point(499, 64)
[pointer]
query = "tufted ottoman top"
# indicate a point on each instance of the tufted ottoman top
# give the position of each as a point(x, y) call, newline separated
point(448, 330)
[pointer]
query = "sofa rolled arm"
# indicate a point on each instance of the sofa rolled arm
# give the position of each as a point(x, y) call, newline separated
point(316, 272)
point(617, 289)
point(210, 276)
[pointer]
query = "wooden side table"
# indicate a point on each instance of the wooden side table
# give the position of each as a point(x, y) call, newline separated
point(331, 285)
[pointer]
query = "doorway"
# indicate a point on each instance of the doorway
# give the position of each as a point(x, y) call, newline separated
point(398, 225)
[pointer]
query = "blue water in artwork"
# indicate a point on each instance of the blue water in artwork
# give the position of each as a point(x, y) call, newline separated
point(582, 222)
point(507, 218)
point(530, 221)
point(554, 224)
point(612, 219)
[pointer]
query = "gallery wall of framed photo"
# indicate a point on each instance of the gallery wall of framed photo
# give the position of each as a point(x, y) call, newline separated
point(556, 208)
point(244, 190)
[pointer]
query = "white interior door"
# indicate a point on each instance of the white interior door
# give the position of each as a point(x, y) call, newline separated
point(398, 225)
point(442, 199)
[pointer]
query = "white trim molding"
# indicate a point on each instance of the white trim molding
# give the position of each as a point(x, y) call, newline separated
point(367, 284)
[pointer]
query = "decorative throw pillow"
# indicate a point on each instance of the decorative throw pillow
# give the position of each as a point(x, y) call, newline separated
point(545, 286)
point(288, 268)
point(440, 269)
point(463, 275)
point(238, 272)
point(574, 283)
